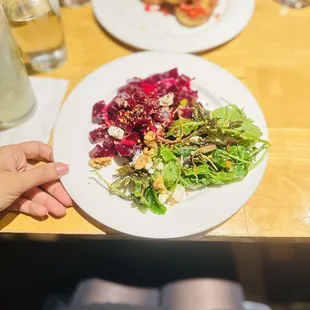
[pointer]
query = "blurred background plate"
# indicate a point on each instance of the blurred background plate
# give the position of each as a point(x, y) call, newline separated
point(128, 21)
point(200, 210)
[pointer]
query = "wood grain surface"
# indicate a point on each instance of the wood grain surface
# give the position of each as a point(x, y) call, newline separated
point(272, 58)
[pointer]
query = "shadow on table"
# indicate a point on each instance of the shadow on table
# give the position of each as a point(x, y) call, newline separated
point(6, 218)
point(98, 225)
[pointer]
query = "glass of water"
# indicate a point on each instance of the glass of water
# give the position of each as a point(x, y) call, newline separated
point(17, 99)
point(72, 3)
point(38, 31)
point(296, 4)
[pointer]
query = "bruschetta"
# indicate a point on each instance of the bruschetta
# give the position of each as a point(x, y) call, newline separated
point(193, 13)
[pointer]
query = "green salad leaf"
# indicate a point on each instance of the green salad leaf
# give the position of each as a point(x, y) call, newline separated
point(210, 149)
point(182, 127)
point(166, 154)
point(171, 173)
point(151, 201)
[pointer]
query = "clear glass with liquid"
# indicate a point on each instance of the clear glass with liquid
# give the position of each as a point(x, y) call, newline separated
point(296, 4)
point(38, 31)
point(17, 99)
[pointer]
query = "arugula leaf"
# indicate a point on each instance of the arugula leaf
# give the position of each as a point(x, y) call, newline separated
point(138, 189)
point(184, 151)
point(250, 128)
point(183, 127)
point(158, 203)
point(150, 201)
point(171, 173)
point(166, 154)
point(231, 116)
point(229, 113)
point(199, 170)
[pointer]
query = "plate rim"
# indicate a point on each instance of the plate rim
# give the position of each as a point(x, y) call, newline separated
point(188, 231)
point(243, 22)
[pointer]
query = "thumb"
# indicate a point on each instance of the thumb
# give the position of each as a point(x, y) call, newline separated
point(41, 175)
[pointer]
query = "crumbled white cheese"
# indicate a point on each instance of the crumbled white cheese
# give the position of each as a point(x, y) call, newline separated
point(160, 166)
point(136, 157)
point(166, 100)
point(163, 197)
point(151, 171)
point(116, 132)
point(194, 139)
point(178, 194)
point(148, 166)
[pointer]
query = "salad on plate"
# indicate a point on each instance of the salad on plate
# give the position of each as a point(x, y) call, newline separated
point(173, 144)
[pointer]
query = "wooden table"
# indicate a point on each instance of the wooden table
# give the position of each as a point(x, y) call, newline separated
point(272, 58)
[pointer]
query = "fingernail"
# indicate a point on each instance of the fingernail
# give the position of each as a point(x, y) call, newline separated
point(62, 169)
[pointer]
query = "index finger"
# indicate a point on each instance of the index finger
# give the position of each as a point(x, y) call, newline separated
point(37, 150)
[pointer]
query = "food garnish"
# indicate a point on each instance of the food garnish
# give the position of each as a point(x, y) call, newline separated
point(173, 144)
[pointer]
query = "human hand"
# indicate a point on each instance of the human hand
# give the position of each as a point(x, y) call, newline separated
point(32, 190)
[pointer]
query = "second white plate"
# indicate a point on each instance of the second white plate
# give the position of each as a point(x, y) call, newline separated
point(128, 21)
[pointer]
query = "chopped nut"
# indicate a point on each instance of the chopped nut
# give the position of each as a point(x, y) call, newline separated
point(149, 140)
point(150, 152)
point(150, 136)
point(142, 161)
point(99, 163)
point(159, 185)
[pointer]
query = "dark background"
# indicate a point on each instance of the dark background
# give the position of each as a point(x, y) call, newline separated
point(36, 273)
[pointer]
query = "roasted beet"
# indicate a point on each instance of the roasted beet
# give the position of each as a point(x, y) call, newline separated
point(143, 123)
point(94, 153)
point(97, 135)
point(164, 116)
point(99, 151)
point(123, 151)
point(131, 140)
point(137, 109)
point(185, 112)
point(125, 120)
point(98, 112)
point(108, 142)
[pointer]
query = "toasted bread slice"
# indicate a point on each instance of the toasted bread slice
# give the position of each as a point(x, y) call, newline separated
point(187, 17)
point(173, 2)
point(153, 1)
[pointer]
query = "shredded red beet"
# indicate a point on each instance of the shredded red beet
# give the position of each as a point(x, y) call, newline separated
point(137, 109)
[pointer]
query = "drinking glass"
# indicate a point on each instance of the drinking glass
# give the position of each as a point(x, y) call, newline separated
point(38, 31)
point(73, 3)
point(296, 4)
point(17, 99)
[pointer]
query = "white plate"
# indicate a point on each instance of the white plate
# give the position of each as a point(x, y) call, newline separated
point(128, 21)
point(200, 210)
